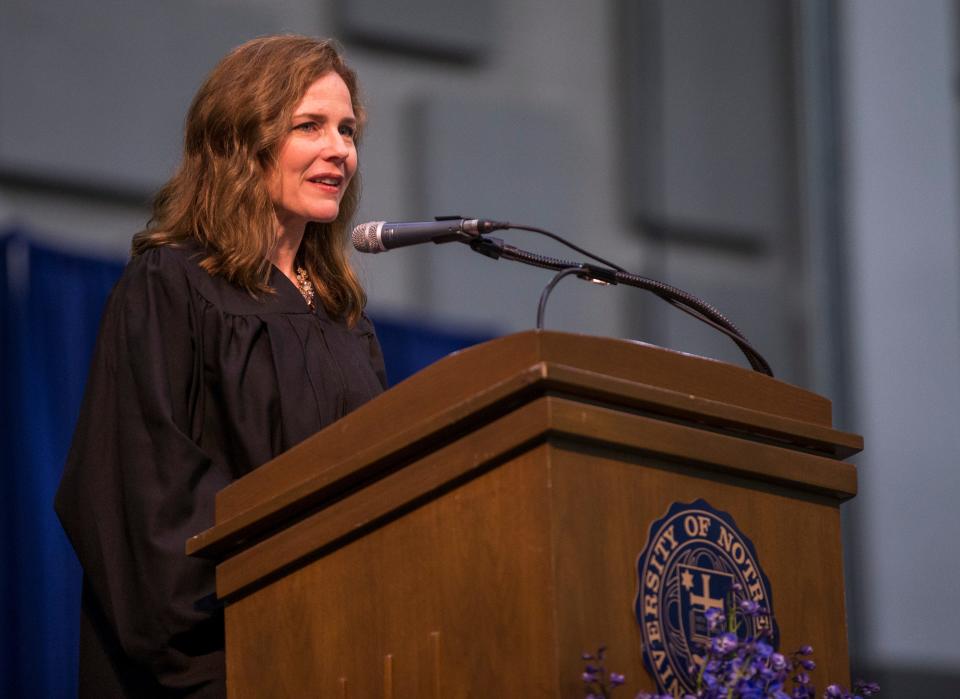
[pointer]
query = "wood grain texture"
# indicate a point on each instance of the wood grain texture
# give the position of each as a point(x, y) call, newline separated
point(484, 448)
point(603, 505)
point(704, 411)
point(457, 592)
point(520, 570)
point(310, 482)
point(388, 676)
point(482, 543)
point(464, 376)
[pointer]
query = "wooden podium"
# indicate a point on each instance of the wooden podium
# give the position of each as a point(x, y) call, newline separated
point(474, 529)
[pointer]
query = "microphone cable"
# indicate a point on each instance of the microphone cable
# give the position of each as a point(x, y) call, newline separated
point(612, 274)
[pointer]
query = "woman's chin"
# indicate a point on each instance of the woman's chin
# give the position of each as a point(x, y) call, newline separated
point(324, 215)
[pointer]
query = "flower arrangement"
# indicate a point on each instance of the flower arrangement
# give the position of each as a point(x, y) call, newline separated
point(734, 668)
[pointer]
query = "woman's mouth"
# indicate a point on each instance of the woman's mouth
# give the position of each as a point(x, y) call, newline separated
point(329, 182)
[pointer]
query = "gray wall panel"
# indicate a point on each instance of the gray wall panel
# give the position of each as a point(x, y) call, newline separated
point(461, 29)
point(899, 70)
point(509, 162)
point(710, 116)
point(97, 91)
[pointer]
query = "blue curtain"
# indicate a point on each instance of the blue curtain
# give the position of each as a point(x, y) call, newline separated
point(50, 305)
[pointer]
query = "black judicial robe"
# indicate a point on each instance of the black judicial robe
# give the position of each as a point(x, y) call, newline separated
point(194, 383)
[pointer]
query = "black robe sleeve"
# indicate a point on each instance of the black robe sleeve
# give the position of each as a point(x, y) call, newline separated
point(365, 327)
point(135, 488)
point(194, 384)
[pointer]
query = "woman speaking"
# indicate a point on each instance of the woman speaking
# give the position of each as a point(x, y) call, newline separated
point(236, 331)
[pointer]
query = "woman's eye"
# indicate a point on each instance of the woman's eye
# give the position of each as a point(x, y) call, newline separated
point(306, 126)
point(348, 130)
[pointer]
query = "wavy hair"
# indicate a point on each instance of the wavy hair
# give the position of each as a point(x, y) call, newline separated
point(218, 195)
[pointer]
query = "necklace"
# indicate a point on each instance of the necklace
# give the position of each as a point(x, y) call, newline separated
point(306, 287)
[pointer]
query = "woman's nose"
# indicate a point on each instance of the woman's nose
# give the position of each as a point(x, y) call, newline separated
point(337, 147)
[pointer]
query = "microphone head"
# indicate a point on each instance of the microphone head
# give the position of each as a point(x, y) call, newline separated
point(366, 237)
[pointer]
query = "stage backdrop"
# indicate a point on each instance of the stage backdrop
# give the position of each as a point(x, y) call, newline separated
point(50, 304)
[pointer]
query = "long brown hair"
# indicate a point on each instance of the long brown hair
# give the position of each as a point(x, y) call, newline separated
point(218, 196)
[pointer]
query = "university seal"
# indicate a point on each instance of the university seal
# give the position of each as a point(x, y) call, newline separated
point(695, 559)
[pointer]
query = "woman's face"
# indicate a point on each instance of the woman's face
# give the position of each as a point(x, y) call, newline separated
point(317, 158)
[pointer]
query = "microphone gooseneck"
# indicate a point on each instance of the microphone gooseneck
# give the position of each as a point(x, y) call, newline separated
point(379, 236)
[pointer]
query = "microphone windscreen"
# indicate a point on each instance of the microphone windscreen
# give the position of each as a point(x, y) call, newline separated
point(365, 238)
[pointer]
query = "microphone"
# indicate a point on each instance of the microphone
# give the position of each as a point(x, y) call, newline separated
point(378, 236)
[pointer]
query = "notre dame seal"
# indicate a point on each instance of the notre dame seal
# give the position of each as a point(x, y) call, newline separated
point(693, 559)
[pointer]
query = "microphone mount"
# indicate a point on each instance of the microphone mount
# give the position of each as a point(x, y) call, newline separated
point(375, 237)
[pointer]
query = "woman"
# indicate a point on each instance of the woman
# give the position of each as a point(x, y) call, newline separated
point(235, 332)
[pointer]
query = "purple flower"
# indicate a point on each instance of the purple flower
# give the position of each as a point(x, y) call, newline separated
point(749, 607)
point(725, 643)
point(598, 682)
point(746, 669)
point(715, 618)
